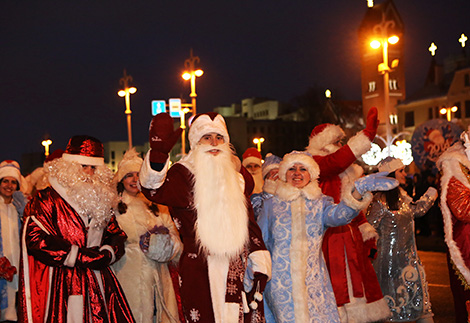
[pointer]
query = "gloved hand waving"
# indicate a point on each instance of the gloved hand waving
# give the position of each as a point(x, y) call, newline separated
point(255, 296)
point(162, 137)
point(372, 124)
point(375, 182)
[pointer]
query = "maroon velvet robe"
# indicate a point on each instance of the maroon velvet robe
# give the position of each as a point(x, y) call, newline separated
point(46, 284)
point(177, 193)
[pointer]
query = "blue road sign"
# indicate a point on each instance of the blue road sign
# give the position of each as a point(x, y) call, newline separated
point(175, 107)
point(158, 106)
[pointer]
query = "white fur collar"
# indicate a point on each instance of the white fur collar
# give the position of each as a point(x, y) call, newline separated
point(287, 192)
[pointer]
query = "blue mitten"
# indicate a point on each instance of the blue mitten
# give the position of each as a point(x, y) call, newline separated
point(160, 247)
point(375, 182)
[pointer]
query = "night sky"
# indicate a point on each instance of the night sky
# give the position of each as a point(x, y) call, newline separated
point(61, 61)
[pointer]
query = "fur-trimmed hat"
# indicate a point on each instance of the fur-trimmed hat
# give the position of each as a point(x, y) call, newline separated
point(390, 164)
point(298, 157)
point(130, 163)
point(252, 156)
point(11, 168)
point(270, 162)
point(84, 150)
point(205, 123)
point(322, 135)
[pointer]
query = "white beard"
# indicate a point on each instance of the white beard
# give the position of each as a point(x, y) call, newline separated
point(222, 217)
point(93, 195)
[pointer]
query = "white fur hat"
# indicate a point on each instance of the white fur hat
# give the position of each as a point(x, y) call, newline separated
point(298, 157)
point(11, 168)
point(323, 135)
point(390, 164)
point(130, 163)
point(205, 123)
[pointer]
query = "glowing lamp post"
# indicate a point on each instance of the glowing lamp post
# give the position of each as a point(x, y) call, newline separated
point(384, 39)
point(126, 93)
point(258, 142)
point(46, 143)
point(448, 111)
point(183, 126)
point(190, 74)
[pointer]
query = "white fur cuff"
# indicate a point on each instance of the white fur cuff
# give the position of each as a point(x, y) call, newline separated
point(110, 249)
point(71, 257)
point(359, 144)
point(261, 261)
point(368, 232)
point(149, 178)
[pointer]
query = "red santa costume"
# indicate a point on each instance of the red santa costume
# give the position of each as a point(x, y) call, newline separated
point(455, 194)
point(209, 202)
point(69, 238)
point(346, 248)
point(252, 161)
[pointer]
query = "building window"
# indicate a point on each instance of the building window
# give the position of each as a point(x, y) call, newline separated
point(467, 80)
point(436, 112)
point(112, 155)
point(430, 114)
point(393, 85)
point(467, 109)
point(409, 119)
point(372, 86)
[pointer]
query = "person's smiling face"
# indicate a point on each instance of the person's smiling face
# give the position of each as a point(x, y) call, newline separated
point(8, 185)
point(400, 175)
point(298, 175)
point(130, 183)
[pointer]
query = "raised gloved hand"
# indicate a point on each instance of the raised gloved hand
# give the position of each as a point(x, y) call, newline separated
point(375, 182)
point(372, 123)
point(370, 249)
point(93, 258)
point(255, 296)
point(7, 271)
point(162, 137)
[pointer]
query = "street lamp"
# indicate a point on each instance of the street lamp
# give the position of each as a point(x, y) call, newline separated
point(258, 142)
point(183, 126)
point(46, 143)
point(448, 111)
point(126, 93)
point(382, 30)
point(190, 74)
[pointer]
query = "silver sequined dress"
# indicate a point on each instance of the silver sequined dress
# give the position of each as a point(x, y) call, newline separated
point(398, 267)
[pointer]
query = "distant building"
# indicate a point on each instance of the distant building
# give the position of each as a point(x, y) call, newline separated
point(446, 86)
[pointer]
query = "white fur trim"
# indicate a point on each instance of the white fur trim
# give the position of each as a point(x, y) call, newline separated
point(251, 160)
point(84, 160)
point(261, 262)
point(360, 311)
point(298, 255)
point(288, 192)
point(449, 162)
point(359, 144)
point(329, 135)
point(217, 270)
point(204, 125)
point(390, 165)
point(75, 309)
point(71, 257)
point(110, 249)
point(358, 205)
point(297, 157)
point(149, 178)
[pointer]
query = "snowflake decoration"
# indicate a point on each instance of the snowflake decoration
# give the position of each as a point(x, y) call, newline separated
point(256, 241)
point(232, 289)
point(373, 156)
point(195, 316)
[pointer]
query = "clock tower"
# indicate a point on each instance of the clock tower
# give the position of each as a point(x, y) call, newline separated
point(382, 65)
